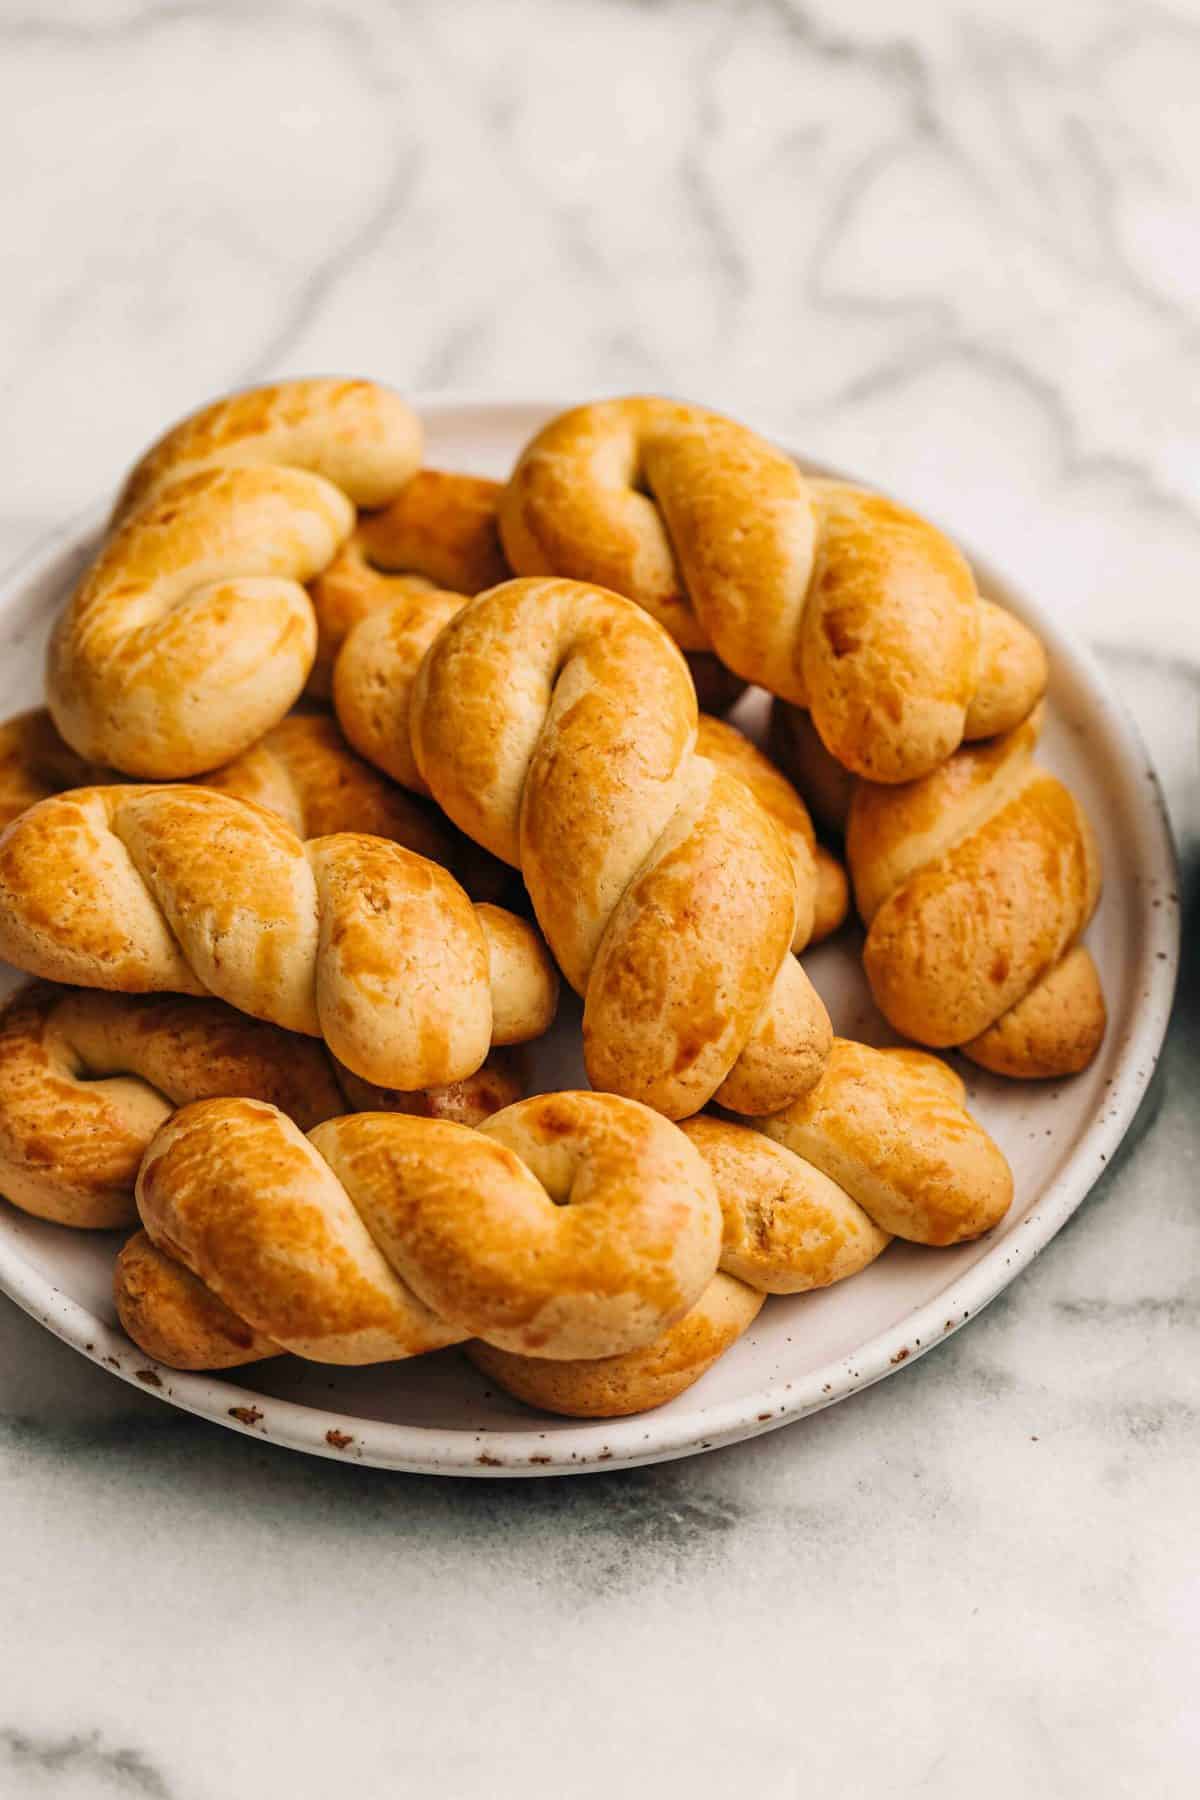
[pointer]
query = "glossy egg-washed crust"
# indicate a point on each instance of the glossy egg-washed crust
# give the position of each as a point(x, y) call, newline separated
point(976, 884)
point(350, 937)
point(356, 434)
point(556, 725)
point(831, 597)
point(891, 1128)
point(87, 1078)
point(192, 634)
point(570, 1225)
point(252, 1249)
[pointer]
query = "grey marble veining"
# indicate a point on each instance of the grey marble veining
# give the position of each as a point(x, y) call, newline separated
point(956, 248)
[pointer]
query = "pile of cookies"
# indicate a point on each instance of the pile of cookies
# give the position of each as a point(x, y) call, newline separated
point(345, 760)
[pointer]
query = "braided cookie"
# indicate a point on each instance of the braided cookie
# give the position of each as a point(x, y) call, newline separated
point(556, 726)
point(1056, 1023)
point(417, 527)
point(251, 1248)
point(192, 634)
point(976, 884)
point(175, 1318)
point(888, 1126)
point(87, 1078)
point(183, 890)
point(570, 1225)
point(374, 678)
point(882, 1146)
point(439, 534)
point(891, 1128)
point(833, 598)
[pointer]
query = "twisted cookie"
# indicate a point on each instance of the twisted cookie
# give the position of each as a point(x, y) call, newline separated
point(888, 1127)
point(348, 937)
point(975, 885)
point(87, 1078)
point(556, 726)
point(833, 598)
point(192, 634)
point(570, 1225)
point(891, 1129)
point(417, 527)
point(178, 1320)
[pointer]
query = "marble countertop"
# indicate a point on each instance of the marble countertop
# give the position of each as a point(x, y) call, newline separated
point(956, 248)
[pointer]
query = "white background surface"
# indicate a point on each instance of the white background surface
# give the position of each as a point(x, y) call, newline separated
point(953, 247)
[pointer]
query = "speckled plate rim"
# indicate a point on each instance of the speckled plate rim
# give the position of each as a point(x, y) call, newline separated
point(684, 1431)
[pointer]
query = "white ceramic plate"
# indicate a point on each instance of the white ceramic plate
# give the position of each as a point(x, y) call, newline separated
point(436, 1414)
